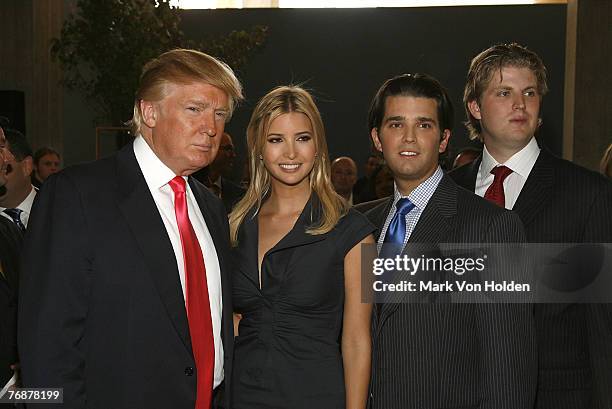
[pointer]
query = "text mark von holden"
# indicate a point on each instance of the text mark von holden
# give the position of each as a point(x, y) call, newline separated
point(451, 286)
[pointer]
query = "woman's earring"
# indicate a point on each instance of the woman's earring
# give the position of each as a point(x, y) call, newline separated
point(260, 156)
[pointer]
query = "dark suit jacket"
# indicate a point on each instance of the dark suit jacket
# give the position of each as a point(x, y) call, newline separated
point(10, 246)
point(433, 356)
point(101, 308)
point(565, 203)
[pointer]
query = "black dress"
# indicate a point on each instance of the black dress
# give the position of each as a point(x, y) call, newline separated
point(288, 352)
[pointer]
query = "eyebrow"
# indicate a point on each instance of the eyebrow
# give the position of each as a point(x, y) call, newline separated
point(506, 87)
point(297, 133)
point(402, 118)
point(395, 118)
point(204, 104)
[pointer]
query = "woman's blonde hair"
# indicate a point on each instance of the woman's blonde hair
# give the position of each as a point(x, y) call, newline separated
point(279, 101)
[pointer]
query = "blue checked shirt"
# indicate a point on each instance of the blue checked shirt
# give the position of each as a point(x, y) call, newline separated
point(420, 197)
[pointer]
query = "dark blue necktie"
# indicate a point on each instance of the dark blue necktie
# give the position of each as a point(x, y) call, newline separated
point(396, 232)
point(15, 215)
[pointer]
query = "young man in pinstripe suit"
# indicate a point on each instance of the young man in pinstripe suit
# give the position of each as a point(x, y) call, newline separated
point(558, 202)
point(441, 355)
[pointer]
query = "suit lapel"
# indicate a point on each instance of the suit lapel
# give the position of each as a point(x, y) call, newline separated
point(434, 226)
point(140, 213)
point(537, 189)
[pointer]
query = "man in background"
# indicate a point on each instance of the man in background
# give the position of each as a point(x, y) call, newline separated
point(46, 162)
point(363, 190)
point(10, 245)
point(216, 175)
point(16, 202)
point(343, 177)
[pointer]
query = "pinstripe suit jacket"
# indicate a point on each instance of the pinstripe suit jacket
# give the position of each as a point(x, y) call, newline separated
point(431, 356)
point(565, 203)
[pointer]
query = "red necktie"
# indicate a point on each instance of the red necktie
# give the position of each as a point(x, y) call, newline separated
point(198, 305)
point(495, 192)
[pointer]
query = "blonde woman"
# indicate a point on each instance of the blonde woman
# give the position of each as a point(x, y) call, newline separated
point(304, 337)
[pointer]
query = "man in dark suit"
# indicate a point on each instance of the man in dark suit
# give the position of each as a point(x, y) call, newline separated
point(125, 298)
point(440, 355)
point(10, 245)
point(215, 176)
point(557, 201)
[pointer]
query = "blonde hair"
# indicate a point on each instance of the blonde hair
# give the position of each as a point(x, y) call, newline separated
point(182, 66)
point(279, 101)
point(492, 60)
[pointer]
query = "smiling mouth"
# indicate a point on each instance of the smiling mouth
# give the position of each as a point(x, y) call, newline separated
point(289, 166)
point(408, 153)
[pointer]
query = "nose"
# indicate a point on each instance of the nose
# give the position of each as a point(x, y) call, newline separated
point(209, 126)
point(290, 150)
point(408, 135)
point(519, 102)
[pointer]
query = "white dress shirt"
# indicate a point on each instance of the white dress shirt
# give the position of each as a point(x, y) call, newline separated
point(25, 207)
point(520, 163)
point(157, 175)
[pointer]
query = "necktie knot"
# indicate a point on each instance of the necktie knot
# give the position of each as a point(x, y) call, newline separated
point(501, 172)
point(495, 192)
point(177, 184)
point(15, 215)
point(404, 206)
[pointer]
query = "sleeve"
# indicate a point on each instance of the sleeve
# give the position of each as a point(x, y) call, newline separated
point(53, 301)
point(508, 339)
point(353, 228)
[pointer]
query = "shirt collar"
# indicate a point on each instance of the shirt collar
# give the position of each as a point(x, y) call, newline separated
point(521, 162)
point(155, 172)
point(422, 193)
point(26, 205)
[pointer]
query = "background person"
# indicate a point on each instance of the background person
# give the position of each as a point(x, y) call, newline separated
point(343, 177)
point(47, 161)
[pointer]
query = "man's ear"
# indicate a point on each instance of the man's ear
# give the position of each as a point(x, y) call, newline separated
point(149, 112)
point(376, 139)
point(474, 109)
point(446, 134)
point(27, 164)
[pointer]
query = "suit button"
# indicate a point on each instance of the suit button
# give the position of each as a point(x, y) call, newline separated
point(189, 371)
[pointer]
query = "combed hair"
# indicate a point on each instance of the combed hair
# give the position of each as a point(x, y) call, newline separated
point(493, 59)
point(412, 85)
point(279, 101)
point(182, 66)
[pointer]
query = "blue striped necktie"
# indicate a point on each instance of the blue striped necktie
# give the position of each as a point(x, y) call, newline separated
point(15, 215)
point(396, 232)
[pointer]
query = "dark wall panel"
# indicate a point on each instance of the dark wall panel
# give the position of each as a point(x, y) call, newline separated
point(343, 55)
